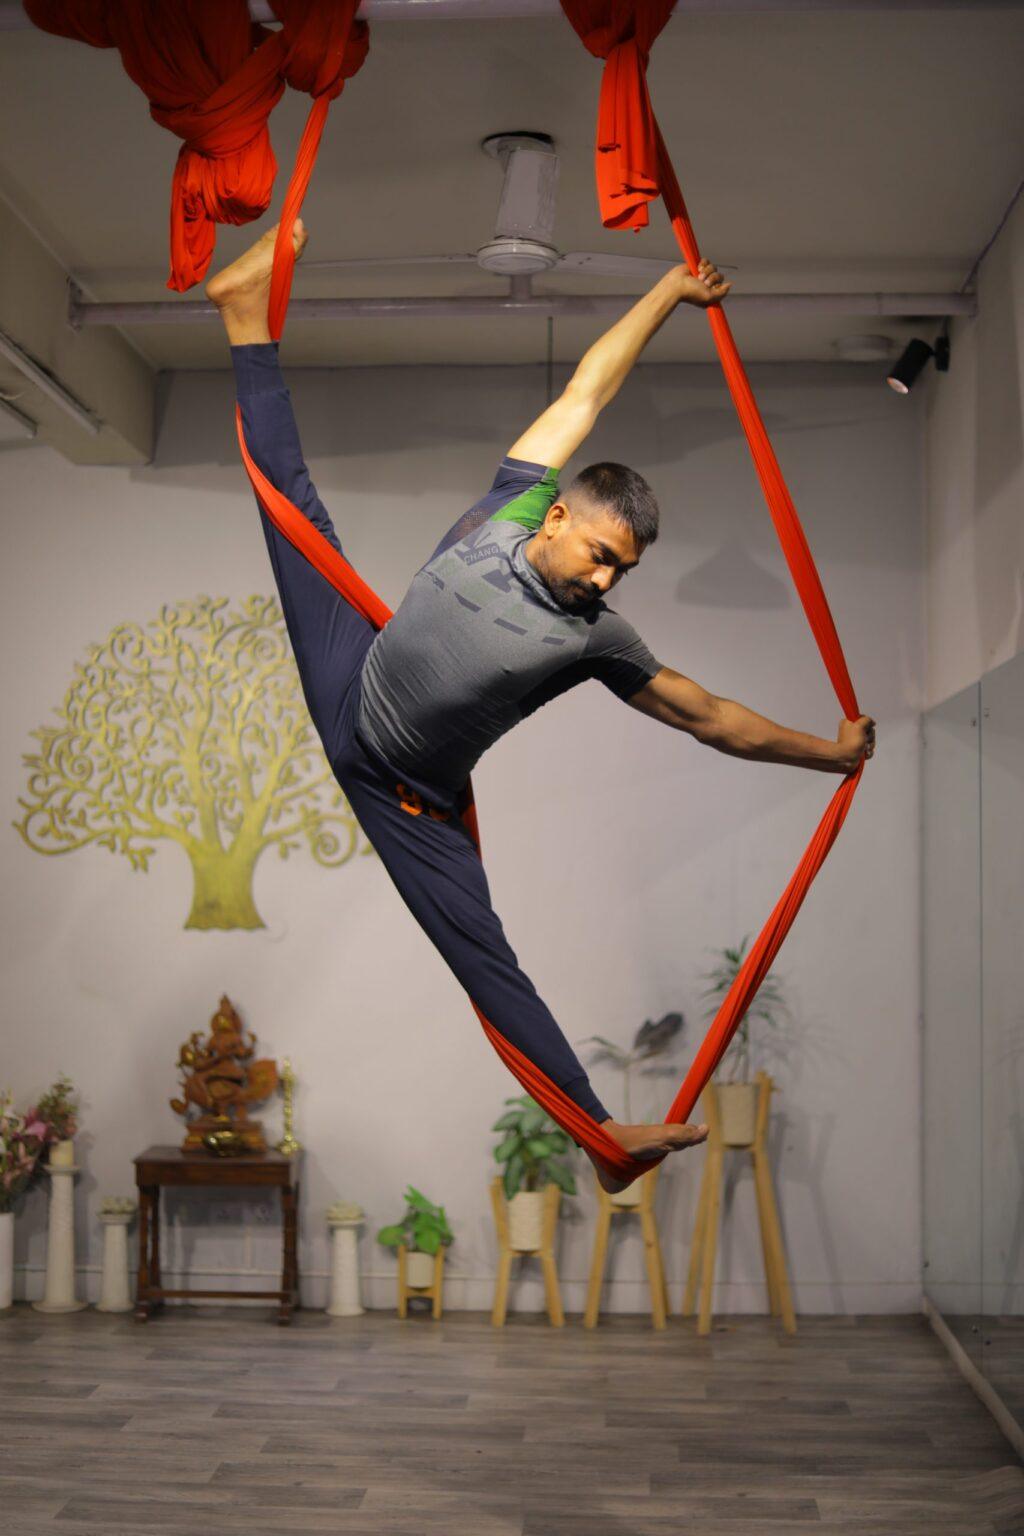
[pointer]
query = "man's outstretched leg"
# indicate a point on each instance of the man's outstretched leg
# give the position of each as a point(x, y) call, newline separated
point(329, 638)
point(434, 864)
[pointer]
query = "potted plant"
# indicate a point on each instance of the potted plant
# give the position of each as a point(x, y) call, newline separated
point(21, 1141)
point(58, 1109)
point(737, 1095)
point(422, 1231)
point(653, 1038)
point(528, 1155)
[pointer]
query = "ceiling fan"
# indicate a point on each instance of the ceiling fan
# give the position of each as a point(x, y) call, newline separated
point(523, 242)
point(521, 248)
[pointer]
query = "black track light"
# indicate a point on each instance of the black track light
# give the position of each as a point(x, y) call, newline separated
point(917, 352)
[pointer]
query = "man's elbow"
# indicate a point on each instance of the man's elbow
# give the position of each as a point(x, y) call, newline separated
point(705, 722)
point(583, 398)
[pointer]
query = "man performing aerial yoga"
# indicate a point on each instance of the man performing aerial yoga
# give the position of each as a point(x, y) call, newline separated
point(506, 614)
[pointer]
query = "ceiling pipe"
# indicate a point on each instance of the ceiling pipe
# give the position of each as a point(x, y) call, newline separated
point(190, 311)
point(13, 18)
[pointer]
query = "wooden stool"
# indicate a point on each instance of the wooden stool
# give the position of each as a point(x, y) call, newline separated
point(643, 1206)
point(546, 1253)
point(705, 1228)
point(433, 1290)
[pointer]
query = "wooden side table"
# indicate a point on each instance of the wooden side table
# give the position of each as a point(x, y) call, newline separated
point(161, 1167)
point(639, 1199)
point(705, 1228)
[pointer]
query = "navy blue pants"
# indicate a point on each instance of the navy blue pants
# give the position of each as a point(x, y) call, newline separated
point(414, 827)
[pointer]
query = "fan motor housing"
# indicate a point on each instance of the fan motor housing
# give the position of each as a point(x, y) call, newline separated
point(512, 257)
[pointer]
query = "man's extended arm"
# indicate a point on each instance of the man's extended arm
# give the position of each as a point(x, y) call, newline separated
point(730, 727)
point(555, 436)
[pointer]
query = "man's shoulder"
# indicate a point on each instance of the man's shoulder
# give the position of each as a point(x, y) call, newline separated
point(523, 492)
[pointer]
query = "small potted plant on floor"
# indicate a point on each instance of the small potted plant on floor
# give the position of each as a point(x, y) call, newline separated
point(737, 1095)
point(422, 1231)
point(57, 1108)
point(653, 1038)
point(529, 1156)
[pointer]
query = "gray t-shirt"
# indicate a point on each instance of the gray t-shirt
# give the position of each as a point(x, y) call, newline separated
point(479, 641)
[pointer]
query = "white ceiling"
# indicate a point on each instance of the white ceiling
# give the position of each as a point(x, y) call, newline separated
point(818, 151)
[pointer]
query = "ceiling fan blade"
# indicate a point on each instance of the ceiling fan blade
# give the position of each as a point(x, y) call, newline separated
point(367, 263)
point(604, 264)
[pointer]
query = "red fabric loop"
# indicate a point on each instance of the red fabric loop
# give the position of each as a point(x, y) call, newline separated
point(632, 159)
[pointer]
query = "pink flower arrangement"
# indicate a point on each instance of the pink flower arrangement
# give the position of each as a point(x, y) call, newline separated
point(22, 1138)
point(57, 1111)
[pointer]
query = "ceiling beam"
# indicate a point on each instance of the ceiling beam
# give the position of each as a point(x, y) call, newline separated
point(13, 18)
point(196, 311)
point(90, 395)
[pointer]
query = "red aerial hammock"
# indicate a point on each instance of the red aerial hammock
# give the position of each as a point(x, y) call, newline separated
point(213, 78)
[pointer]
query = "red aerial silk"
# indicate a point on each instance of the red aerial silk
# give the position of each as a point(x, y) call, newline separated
point(633, 166)
point(213, 79)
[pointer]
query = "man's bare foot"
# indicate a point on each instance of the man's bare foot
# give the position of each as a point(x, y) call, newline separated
point(242, 291)
point(645, 1142)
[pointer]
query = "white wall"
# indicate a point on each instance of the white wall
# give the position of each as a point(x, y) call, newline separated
point(618, 851)
point(974, 480)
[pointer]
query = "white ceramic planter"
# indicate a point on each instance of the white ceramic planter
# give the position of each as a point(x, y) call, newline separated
point(526, 1219)
point(631, 1195)
point(738, 1105)
point(6, 1259)
point(419, 1268)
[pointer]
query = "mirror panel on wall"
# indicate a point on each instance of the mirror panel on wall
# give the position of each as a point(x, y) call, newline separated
point(1002, 1030)
point(951, 988)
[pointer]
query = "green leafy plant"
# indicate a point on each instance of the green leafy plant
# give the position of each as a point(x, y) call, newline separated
point(653, 1038)
point(530, 1148)
point(765, 1006)
point(423, 1228)
point(58, 1109)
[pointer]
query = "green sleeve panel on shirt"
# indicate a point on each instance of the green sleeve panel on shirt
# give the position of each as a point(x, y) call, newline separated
point(531, 507)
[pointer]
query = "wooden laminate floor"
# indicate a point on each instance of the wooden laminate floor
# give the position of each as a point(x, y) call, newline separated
point(213, 1420)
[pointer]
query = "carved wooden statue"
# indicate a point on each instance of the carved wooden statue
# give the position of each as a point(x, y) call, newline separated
point(220, 1078)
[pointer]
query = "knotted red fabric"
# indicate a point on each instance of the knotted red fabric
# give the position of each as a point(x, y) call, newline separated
point(621, 32)
point(632, 159)
point(213, 77)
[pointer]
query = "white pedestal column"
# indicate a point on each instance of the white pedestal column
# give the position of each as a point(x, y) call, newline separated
point(59, 1295)
point(6, 1259)
point(344, 1219)
point(115, 1286)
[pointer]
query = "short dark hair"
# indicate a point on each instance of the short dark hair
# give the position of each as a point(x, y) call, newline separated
point(623, 494)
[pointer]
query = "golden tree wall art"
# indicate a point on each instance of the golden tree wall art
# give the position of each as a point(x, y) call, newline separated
point(192, 730)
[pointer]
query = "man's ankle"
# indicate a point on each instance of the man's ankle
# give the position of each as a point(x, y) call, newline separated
point(245, 330)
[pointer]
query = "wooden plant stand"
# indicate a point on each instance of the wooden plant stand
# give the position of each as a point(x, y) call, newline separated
point(546, 1254)
point(644, 1208)
point(705, 1230)
point(433, 1290)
